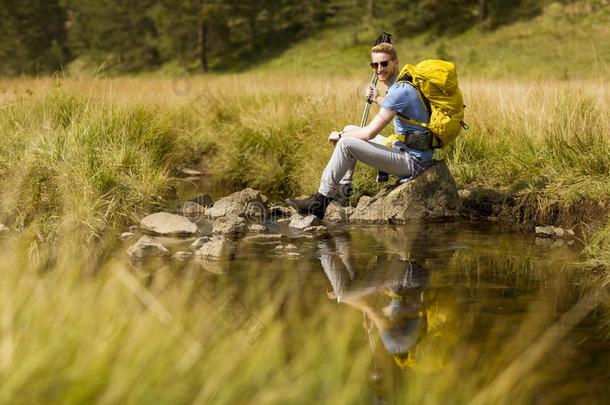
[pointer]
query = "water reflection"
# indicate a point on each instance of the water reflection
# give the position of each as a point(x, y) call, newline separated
point(389, 286)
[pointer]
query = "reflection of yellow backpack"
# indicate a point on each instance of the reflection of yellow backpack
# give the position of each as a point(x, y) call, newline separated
point(437, 81)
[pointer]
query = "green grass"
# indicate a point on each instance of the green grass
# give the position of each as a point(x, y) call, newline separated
point(74, 168)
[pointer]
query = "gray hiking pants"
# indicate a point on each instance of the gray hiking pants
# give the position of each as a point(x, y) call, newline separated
point(348, 151)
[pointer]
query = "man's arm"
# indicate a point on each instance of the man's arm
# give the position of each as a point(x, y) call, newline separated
point(383, 118)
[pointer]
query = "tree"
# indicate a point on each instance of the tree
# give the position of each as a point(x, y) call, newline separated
point(33, 36)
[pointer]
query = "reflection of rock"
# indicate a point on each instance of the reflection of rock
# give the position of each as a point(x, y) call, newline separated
point(432, 195)
point(231, 227)
point(199, 242)
point(191, 208)
point(248, 203)
point(288, 250)
point(301, 222)
point(337, 213)
point(316, 231)
point(147, 247)
point(164, 223)
point(182, 255)
point(204, 200)
point(265, 238)
point(127, 235)
point(217, 248)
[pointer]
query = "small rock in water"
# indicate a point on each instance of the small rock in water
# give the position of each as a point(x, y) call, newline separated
point(231, 227)
point(191, 208)
point(247, 203)
point(164, 223)
point(553, 232)
point(191, 172)
point(258, 228)
point(182, 255)
point(215, 249)
point(146, 247)
point(199, 242)
point(283, 221)
point(545, 231)
point(127, 235)
point(267, 237)
point(301, 222)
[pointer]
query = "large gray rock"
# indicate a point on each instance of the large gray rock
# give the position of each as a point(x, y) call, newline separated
point(231, 227)
point(164, 223)
point(146, 247)
point(248, 203)
point(432, 195)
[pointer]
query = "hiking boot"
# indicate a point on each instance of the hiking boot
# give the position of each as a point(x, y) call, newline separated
point(314, 205)
point(344, 193)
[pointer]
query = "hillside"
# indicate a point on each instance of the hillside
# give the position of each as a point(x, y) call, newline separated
point(564, 41)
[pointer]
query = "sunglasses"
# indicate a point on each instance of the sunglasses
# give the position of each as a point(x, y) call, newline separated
point(383, 64)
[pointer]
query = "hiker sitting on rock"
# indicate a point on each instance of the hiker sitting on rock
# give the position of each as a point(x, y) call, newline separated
point(390, 155)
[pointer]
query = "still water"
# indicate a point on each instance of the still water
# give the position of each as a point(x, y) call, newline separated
point(433, 313)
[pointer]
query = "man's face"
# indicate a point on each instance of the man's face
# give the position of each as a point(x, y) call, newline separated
point(385, 73)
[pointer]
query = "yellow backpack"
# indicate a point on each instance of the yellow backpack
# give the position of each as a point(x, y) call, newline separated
point(437, 81)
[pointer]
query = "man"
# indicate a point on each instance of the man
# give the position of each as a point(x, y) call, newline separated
point(364, 144)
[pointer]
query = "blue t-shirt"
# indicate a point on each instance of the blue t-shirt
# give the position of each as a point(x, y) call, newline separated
point(403, 98)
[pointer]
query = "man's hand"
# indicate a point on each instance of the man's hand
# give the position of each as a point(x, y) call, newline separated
point(334, 137)
point(371, 93)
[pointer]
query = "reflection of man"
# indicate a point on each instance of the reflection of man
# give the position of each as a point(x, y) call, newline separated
point(390, 295)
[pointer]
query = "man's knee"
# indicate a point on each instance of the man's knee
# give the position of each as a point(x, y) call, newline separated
point(349, 128)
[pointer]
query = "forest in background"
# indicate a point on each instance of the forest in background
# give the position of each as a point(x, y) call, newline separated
point(128, 36)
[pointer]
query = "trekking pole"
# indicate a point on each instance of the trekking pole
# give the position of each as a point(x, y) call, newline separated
point(383, 37)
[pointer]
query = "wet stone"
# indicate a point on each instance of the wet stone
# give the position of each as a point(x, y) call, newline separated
point(146, 247)
point(191, 208)
point(301, 222)
point(164, 223)
point(216, 248)
point(231, 227)
point(182, 255)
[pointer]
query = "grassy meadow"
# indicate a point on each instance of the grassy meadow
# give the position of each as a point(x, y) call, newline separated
point(82, 158)
point(94, 155)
